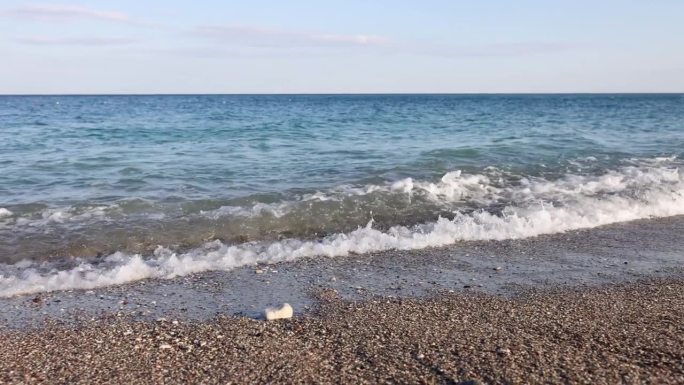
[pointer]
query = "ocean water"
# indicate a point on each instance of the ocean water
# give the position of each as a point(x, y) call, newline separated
point(103, 190)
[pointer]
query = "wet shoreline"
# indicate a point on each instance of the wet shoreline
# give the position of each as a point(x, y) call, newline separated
point(606, 255)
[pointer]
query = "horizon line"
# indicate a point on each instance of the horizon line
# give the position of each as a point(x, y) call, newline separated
point(344, 93)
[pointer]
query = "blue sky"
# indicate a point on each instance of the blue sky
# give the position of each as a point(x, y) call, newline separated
point(307, 46)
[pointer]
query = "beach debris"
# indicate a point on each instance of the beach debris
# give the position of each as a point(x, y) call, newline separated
point(285, 311)
point(498, 268)
point(258, 271)
point(165, 347)
point(503, 351)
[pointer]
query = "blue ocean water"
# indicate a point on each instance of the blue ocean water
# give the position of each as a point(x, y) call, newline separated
point(65, 150)
point(89, 176)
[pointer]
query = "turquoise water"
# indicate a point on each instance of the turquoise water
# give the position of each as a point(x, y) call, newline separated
point(92, 176)
point(61, 150)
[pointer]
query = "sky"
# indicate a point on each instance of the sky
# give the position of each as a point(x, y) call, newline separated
point(345, 46)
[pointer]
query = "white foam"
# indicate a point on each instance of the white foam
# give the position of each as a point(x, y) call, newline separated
point(66, 215)
point(276, 210)
point(452, 187)
point(5, 213)
point(582, 202)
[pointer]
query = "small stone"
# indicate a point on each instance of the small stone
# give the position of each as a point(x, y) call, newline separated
point(165, 347)
point(282, 312)
point(420, 356)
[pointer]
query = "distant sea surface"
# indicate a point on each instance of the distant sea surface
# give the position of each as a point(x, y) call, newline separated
point(102, 190)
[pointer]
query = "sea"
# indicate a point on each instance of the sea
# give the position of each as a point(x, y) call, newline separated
point(97, 191)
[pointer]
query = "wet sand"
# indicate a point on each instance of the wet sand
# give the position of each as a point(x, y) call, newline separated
point(630, 333)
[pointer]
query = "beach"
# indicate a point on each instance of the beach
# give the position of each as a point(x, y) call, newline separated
point(340, 192)
point(418, 238)
point(512, 311)
point(620, 334)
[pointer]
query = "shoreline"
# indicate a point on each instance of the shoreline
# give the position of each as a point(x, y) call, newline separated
point(620, 253)
point(625, 333)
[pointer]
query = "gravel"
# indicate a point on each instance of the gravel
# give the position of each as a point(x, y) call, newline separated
point(630, 333)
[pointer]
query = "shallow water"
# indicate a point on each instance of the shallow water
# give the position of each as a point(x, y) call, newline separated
point(607, 255)
point(100, 190)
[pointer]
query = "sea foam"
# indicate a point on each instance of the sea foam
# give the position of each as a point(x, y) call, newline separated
point(5, 213)
point(536, 206)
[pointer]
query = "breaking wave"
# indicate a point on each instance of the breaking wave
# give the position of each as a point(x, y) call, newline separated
point(525, 207)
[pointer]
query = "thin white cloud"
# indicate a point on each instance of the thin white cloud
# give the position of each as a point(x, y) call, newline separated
point(501, 49)
point(352, 39)
point(268, 37)
point(64, 12)
point(233, 36)
point(87, 41)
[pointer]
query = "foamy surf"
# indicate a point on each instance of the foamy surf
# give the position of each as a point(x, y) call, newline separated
point(4, 213)
point(535, 206)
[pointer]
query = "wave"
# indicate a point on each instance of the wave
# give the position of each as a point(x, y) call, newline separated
point(534, 206)
point(63, 216)
point(5, 213)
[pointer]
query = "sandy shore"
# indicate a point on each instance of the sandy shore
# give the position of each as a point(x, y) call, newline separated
point(631, 333)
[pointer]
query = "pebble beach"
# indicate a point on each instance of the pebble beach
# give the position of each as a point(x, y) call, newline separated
point(630, 333)
point(344, 192)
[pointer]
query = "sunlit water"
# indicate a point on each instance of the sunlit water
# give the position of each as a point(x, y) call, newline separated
point(157, 186)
